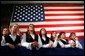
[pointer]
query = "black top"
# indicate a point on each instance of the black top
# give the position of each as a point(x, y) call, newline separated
point(30, 39)
point(45, 41)
point(8, 39)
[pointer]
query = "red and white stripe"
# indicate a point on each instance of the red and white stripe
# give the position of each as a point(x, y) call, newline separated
point(60, 17)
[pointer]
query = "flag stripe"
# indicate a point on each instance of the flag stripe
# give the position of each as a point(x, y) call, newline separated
point(80, 14)
point(57, 28)
point(63, 12)
point(54, 25)
point(64, 9)
point(79, 19)
point(62, 4)
point(50, 23)
point(82, 7)
point(67, 17)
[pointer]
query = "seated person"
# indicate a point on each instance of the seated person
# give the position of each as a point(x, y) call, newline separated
point(74, 39)
point(44, 40)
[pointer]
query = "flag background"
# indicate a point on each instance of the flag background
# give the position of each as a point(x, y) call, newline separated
point(67, 17)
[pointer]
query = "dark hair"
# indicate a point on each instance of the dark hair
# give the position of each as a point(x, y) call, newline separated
point(52, 33)
point(71, 34)
point(45, 32)
point(60, 34)
point(7, 29)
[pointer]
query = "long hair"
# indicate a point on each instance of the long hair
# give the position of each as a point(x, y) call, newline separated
point(45, 32)
point(59, 36)
point(71, 34)
point(28, 29)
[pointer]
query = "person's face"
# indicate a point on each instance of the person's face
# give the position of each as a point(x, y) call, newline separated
point(73, 36)
point(31, 27)
point(43, 32)
point(14, 28)
point(54, 34)
point(5, 31)
point(63, 35)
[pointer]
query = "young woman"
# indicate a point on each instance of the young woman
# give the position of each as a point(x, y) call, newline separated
point(43, 40)
point(54, 39)
point(74, 40)
point(5, 33)
point(63, 42)
point(30, 39)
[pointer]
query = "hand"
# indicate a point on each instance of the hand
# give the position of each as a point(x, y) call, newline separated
point(34, 44)
point(19, 44)
point(76, 38)
point(73, 44)
point(11, 46)
point(50, 46)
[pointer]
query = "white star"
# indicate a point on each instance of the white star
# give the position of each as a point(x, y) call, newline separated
point(37, 16)
point(26, 12)
point(41, 15)
point(36, 19)
point(28, 18)
point(31, 6)
point(36, 12)
point(19, 19)
point(20, 12)
point(14, 16)
point(15, 12)
point(23, 18)
point(26, 9)
point(14, 20)
point(21, 9)
point(41, 12)
point(16, 9)
point(41, 19)
point(20, 16)
point(31, 16)
point(36, 6)
point(23, 14)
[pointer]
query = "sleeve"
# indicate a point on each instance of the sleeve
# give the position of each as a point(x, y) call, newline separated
point(47, 45)
point(63, 45)
point(24, 43)
point(78, 45)
point(55, 43)
point(39, 42)
point(3, 42)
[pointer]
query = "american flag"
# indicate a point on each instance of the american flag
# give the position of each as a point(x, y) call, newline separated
point(67, 17)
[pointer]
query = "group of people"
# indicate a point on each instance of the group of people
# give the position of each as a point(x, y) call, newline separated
point(13, 38)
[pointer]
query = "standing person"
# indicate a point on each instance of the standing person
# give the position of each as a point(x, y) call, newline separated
point(74, 39)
